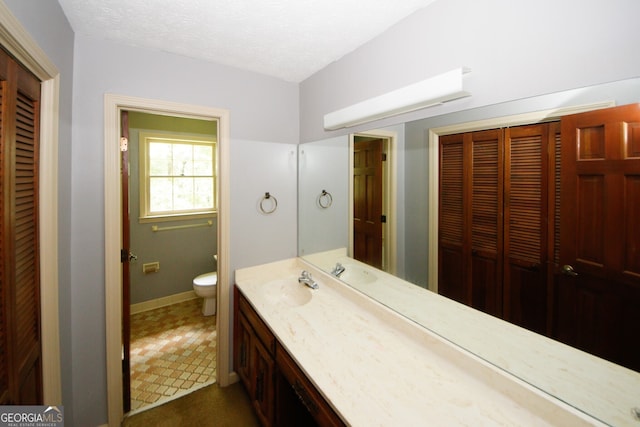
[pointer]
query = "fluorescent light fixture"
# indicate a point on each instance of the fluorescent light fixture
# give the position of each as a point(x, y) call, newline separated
point(426, 93)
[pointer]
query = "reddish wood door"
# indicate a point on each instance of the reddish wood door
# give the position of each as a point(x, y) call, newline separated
point(485, 170)
point(20, 332)
point(367, 202)
point(470, 219)
point(526, 232)
point(598, 296)
point(452, 273)
point(493, 221)
point(124, 256)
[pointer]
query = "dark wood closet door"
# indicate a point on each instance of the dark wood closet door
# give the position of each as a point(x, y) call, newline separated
point(5, 234)
point(485, 219)
point(21, 373)
point(525, 226)
point(367, 202)
point(598, 296)
point(494, 222)
point(452, 281)
point(470, 231)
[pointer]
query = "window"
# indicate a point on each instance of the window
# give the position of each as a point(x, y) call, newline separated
point(177, 175)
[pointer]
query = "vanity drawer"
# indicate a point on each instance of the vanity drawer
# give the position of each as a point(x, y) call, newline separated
point(261, 330)
point(306, 392)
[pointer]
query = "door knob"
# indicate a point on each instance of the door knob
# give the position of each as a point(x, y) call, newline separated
point(568, 270)
point(132, 257)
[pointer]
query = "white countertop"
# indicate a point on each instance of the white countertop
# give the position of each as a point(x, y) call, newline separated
point(600, 388)
point(376, 368)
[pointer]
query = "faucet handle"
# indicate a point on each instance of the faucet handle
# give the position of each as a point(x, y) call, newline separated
point(305, 274)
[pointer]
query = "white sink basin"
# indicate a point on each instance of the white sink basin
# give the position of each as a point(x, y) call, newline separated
point(356, 275)
point(287, 292)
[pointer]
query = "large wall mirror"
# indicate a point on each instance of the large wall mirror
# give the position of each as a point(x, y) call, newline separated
point(407, 278)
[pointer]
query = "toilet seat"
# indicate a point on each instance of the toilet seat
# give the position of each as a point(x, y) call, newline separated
point(206, 279)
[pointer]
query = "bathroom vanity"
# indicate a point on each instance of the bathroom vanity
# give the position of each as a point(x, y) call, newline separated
point(340, 358)
point(280, 392)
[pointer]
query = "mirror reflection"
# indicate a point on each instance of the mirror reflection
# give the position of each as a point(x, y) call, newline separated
point(470, 205)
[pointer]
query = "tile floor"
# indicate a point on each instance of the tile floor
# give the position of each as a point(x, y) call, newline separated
point(173, 351)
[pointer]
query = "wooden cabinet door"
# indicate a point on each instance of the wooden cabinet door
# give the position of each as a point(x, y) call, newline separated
point(243, 349)
point(597, 298)
point(263, 378)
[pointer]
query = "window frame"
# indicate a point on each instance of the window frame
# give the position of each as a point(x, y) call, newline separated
point(144, 139)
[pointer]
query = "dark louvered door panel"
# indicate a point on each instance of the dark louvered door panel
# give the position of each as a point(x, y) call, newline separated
point(451, 282)
point(486, 221)
point(20, 251)
point(4, 357)
point(525, 289)
point(26, 246)
point(499, 221)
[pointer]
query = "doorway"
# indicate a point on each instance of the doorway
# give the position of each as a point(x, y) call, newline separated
point(372, 211)
point(169, 232)
point(114, 104)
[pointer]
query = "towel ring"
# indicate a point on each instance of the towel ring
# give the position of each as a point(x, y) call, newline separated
point(268, 196)
point(325, 199)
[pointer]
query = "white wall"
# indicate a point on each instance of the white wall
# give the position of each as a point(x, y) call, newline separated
point(259, 167)
point(323, 165)
point(261, 109)
point(515, 49)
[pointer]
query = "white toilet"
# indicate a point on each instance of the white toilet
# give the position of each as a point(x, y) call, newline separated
point(205, 286)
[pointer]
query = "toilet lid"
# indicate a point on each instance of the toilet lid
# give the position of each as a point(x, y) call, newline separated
point(207, 279)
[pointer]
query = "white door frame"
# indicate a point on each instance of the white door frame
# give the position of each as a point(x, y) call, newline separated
point(113, 105)
point(15, 39)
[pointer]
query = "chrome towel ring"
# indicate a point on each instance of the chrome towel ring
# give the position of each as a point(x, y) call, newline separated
point(325, 199)
point(268, 208)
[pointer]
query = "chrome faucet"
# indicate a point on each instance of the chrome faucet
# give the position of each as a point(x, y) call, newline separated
point(338, 270)
point(305, 277)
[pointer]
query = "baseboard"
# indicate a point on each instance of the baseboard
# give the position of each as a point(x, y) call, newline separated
point(233, 377)
point(161, 302)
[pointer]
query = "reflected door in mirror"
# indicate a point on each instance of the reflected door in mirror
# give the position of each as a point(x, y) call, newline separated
point(493, 234)
point(367, 201)
point(598, 296)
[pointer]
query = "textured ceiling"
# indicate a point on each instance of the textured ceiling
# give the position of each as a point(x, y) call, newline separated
point(288, 39)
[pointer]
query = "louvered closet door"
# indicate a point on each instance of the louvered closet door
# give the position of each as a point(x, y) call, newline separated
point(485, 219)
point(4, 234)
point(494, 224)
point(451, 264)
point(525, 228)
point(470, 219)
point(20, 251)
